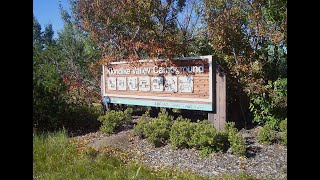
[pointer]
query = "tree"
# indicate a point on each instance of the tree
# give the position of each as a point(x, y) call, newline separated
point(78, 64)
point(58, 100)
point(37, 35)
point(131, 30)
point(249, 39)
point(48, 87)
point(48, 36)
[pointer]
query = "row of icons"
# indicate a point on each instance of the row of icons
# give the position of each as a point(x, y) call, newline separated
point(145, 83)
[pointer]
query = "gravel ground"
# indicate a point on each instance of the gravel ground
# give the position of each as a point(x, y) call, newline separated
point(263, 161)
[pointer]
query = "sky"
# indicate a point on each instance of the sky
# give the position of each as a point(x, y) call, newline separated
point(48, 12)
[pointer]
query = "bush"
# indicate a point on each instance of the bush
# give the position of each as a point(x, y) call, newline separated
point(237, 142)
point(157, 131)
point(270, 107)
point(266, 135)
point(181, 132)
point(113, 120)
point(283, 129)
point(203, 135)
point(284, 138)
point(283, 125)
point(206, 138)
point(139, 129)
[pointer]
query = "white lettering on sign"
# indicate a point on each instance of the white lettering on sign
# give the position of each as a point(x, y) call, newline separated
point(157, 70)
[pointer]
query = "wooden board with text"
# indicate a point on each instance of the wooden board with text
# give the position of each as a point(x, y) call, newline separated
point(183, 83)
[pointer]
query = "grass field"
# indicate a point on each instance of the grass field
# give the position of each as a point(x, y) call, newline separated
point(54, 157)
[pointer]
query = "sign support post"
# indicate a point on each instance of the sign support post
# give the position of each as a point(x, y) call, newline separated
point(218, 116)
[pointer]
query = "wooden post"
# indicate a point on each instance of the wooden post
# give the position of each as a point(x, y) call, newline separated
point(218, 116)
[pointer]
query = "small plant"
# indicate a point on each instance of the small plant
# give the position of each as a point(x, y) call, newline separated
point(128, 111)
point(139, 129)
point(181, 132)
point(174, 110)
point(283, 129)
point(284, 138)
point(158, 130)
point(283, 125)
point(237, 142)
point(203, 135)
point(206, 138)
point(266, 135)
point(270, 107)
point(113, 120)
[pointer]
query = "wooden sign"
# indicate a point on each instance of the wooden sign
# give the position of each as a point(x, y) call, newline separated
point(183, 83)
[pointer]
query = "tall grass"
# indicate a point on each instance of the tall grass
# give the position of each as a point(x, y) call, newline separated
point(54, 157)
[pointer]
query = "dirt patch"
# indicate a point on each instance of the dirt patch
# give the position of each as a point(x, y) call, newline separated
point(123, 140)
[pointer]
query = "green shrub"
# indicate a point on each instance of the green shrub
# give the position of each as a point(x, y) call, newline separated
point(157, 131)
point(203, 135)
point(270, 107)
point(181, 132)
point(113, 120)
point(207, 139)
point(284, 138)
point(139, 129)
point(221, 141)
point(283, 129)
point(174, 110)
point(266, 135)
point(230, 128)
point(237, 142)
point(283, 125)
point(129, 110)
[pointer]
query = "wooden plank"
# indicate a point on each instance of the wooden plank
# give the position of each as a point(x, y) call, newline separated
point(218, 118)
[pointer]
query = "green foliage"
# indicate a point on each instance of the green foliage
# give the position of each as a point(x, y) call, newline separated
point(51, 101)
point(175, 110)
point(37, 35)
point(63, 87)
point(283, 125)
point(271, 108)
point(129, 110)
point(142, 122)
point(113, 120)
point(54, 157)
point(284, 138)
point(48, 36)
point(283, 128)
point(249, 40)
point(181, 132)
point(203, 135)
point(237, 142)
point(206, 138)
point(266, 135)
point(48, 88)
point(157, 131)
